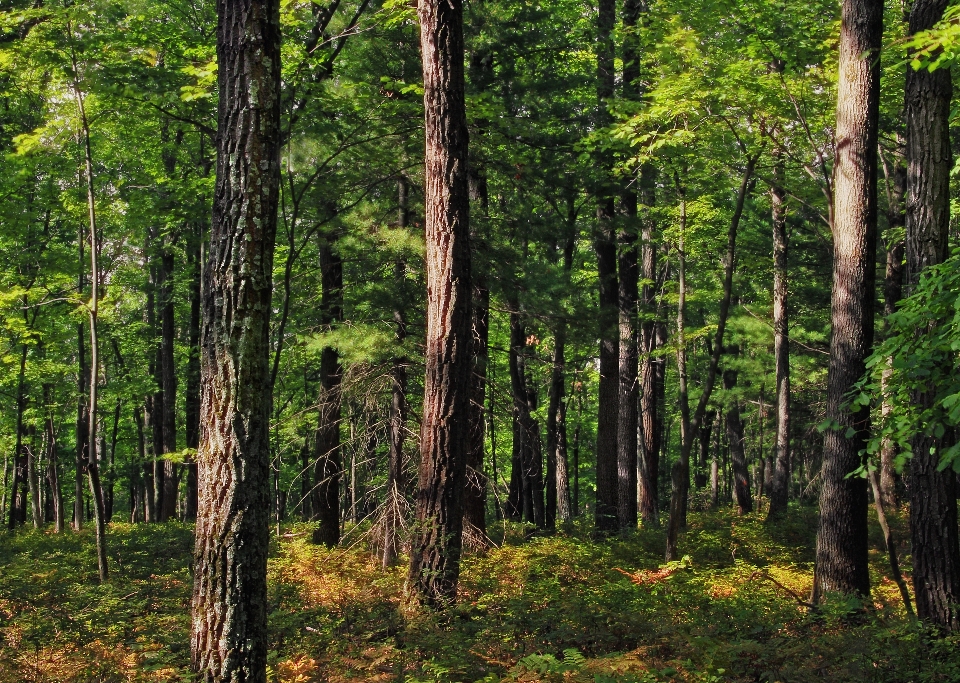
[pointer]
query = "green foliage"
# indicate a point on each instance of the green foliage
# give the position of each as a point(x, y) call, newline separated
point(550, 609)
point(919, 356)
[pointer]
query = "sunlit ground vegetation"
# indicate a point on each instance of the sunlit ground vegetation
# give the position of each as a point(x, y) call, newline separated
point(536, 608)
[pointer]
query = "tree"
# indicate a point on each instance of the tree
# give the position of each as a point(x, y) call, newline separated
point(841, 561)
point(229, 640)
point(444, 436)
point(933, 498)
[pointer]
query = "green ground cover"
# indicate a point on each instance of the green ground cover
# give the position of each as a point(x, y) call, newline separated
point(550, 608)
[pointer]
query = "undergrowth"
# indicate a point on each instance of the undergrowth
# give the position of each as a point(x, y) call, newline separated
point(540, 608)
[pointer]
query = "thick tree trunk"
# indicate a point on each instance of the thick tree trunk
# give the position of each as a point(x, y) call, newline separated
point(437, 541)
point(606, 510)
point(781, 347)
point(229, 631)
point(933, 495)
point(18, 493)
point(168, 375)
point(841, 562)
point(327, 455)
point(738, 457)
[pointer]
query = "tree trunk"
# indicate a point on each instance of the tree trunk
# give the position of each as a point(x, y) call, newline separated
point(558, 482)
point(475, 495)
point(896, 185)
point(738, 457)
point(18, 493)
point(781, 347)
point(526, 488)
point(192, 398)
point(53, 470)
point(606, 509)
point(652, 375)
point(715, 469)
point(933, 495)
point(93, 459)
point(168, 375)
point(327, 455)
point(841, 562)
point(229, 630)
point(398, 406)
point(680, 472)
point(437, 541)
point(700, 478)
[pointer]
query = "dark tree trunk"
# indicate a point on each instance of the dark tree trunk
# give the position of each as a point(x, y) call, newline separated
point(18, 493)
point(706, 429)
point(680, 472)
point(437, 541)
point(327, 455)
point(558, 478)
point(606, 508)
point(526, 481)
point(53, 469)
point(229, 635)
point(738, 457)
point(933, 495)
point(192, 398)
point(475, 495)
point(715, 469)
point(896, 185)
point(652, 375)
point(168, 376)
point(781, 347)
point(398, 405)
point(841, 563)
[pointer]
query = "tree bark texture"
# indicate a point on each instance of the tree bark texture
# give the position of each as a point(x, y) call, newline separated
point(933, 499)
point(781, 347)
point(327, 456)
point(445, 431)
point(652, 385)
point(841, 556)
point(229, 638)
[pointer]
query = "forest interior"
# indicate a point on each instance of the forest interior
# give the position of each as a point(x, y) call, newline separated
point(510, 340)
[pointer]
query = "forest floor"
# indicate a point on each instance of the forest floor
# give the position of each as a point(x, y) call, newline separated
point(539, 608)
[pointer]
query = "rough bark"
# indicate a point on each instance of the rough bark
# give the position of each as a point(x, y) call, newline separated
point(436, 543)
point(558, 484)
point(841, 556)
point(781, 346)
point(326, 454)
point(652, 386)
point(933, 499)
point(229, 629)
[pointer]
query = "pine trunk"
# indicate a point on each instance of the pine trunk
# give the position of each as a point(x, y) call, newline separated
point(229, 631)
point(444, 437)
point(327, 455)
